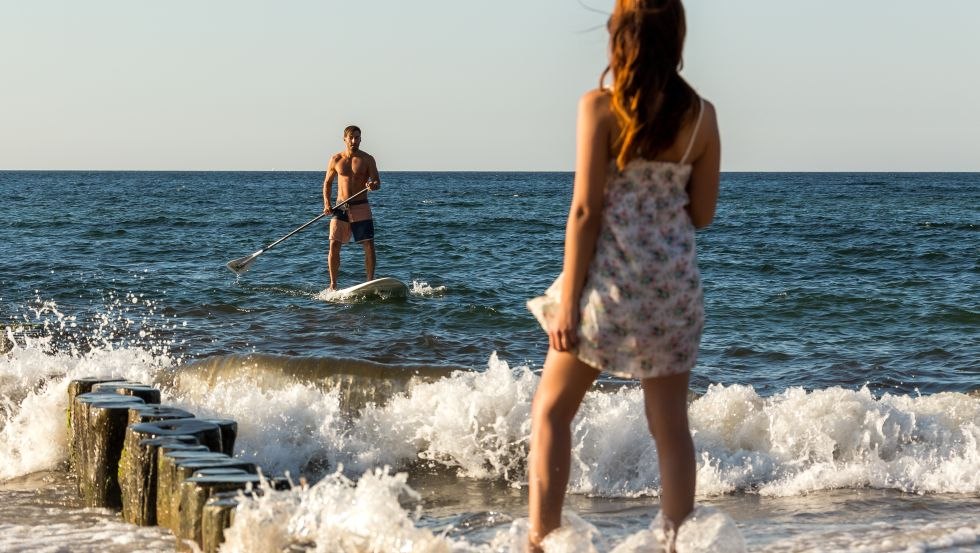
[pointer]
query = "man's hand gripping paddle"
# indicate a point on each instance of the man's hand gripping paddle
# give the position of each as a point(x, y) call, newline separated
point(242, 264)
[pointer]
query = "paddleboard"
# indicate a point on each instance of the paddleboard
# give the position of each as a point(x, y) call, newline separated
point(385, 287)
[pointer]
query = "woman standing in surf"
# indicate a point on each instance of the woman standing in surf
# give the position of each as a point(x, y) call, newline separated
point(629, 299)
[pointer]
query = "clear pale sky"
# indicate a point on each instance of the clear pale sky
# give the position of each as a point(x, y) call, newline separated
point(800, 85)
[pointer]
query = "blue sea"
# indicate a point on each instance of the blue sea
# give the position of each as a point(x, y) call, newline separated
point(835, 405)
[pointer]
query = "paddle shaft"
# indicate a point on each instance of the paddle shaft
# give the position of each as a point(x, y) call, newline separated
point(313, 220)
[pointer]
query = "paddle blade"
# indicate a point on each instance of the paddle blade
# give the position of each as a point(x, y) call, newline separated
point(242, 264)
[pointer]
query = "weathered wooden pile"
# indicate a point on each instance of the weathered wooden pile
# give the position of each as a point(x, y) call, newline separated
point(160, 465)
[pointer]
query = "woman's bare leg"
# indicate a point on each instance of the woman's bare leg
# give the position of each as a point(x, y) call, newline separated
point(666, 410)
point(564, 382)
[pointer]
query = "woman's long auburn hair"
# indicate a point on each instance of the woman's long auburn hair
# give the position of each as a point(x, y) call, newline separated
point(649, 97)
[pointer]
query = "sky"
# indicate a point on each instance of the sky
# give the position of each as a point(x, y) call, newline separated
point(443, 85)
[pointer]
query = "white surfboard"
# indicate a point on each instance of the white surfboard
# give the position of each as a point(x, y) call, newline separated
point(385, 287)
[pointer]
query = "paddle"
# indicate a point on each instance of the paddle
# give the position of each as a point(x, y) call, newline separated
point(242, 264)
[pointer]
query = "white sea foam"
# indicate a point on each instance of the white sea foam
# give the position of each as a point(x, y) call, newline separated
point(105, 535)
point(34, 385)
point(329, 295)
point(295, 428)
point(797, 442)
point(573, 536)
point(914, 536)
point(792, 443)
point(336, 514)
point(706, 530)
point(340, 296)
point(424, 289)
point(477, 423)
point(339, 514)
point(34, 380)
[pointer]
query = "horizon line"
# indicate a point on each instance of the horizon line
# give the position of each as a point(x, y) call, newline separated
point(798, 171)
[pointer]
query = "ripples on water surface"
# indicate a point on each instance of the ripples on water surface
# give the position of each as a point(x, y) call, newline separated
point(835, 396)
point(811, 279)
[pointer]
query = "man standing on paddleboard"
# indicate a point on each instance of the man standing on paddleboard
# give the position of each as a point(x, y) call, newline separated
point(356, 171)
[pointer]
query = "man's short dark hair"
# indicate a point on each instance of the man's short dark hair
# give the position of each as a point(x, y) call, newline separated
point(351, 129)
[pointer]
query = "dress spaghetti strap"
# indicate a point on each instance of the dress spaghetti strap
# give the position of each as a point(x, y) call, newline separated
point(694, 133)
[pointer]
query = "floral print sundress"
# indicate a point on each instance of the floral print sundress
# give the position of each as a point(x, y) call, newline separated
point(642, 307)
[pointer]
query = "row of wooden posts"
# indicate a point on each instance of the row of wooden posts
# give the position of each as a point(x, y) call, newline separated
point(159, 464)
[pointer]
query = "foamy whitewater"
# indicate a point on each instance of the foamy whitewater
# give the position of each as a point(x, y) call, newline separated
point(474, 425)
point(834, 406)
point(478, 424)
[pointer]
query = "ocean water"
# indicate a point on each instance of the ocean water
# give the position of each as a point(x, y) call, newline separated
point(835, 406)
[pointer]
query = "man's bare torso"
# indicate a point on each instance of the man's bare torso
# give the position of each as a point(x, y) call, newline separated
point(352, 173)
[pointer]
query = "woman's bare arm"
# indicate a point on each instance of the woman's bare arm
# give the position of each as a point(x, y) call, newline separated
point(591, 171)
point(702, 191)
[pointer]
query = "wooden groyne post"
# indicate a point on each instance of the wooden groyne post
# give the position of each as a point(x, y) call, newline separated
point(158, 464)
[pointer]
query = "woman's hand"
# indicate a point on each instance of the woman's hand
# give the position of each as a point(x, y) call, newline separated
point(563, 330)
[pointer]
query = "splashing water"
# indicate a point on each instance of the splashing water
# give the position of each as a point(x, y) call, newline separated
point(336, 514)
point(477, 425)
point(380, 513)
point(422, 288)
point(126, 339)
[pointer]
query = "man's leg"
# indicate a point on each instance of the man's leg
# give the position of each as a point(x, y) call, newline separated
point(369, 258)
point(333, 262)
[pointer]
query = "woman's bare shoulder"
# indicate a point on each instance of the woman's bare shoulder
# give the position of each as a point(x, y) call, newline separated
point(710, 115)
point(596, 99)
point(596, 105)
